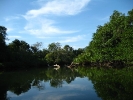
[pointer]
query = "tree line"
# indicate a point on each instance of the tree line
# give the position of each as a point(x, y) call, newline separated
point(112, 43)
point(20, 55)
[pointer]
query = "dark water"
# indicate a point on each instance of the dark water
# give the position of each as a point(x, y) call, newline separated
point(66, 84)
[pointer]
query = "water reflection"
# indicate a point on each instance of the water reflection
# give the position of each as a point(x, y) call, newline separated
point(65, 84)
point(111, 84)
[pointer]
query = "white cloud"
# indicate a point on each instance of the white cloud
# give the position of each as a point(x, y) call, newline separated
point(54, 96)
point(10, 37)
point(38, 23)
point(76, 86)
point(44, 27)
point(58, 7)
point(61, 97)
point(12, 18)
point(9, 29)
point(77, 47)
point(72, 39)
point(63, 39)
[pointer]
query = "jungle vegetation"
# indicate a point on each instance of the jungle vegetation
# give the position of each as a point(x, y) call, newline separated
point(111, 45)
point(20, 55)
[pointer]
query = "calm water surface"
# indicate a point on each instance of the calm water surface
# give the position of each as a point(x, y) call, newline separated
point(79, 89)
point(67, 84)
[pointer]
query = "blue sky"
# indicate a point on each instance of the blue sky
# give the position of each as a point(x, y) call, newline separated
point(69, 22)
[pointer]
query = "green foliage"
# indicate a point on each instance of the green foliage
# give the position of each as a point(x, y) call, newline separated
point(112, 42)
point(2, 44)
point(20, 55)
point(2, 35)
point(60, 55)
point(54, 47)
point(1, 66)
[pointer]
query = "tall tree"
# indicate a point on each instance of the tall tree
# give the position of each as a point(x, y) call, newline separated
point(112, 42)
point(54, 47)
point(2, 43)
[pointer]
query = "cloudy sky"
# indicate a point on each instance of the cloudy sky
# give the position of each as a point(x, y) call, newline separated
point(69, 22)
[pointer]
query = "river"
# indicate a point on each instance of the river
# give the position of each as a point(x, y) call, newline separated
point(66, 84)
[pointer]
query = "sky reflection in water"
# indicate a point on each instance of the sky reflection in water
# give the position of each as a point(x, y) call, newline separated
point(79, 89)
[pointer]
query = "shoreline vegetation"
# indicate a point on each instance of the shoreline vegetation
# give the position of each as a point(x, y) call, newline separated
point(111, 46)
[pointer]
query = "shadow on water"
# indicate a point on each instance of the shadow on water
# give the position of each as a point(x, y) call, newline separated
point(109, 84)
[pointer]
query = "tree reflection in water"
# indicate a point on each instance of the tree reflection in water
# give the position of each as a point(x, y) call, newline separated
point(111, 84)
point(38, 84)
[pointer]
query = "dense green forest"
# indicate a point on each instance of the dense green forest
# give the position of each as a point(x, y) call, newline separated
point(20, 55)
point(111, 45)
